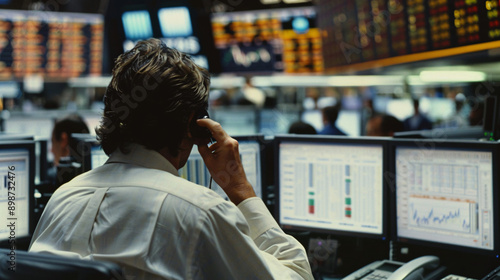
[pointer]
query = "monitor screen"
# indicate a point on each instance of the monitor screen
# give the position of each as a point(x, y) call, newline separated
point(137, 25)
point(277, 40)
point(251, 158)
point(16, 195)
point(97, 156)
point(331, 184)
point(88, 153)
point(445, 193)
point(175, 22)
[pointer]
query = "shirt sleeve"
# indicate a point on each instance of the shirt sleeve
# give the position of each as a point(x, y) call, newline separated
point(246, 243)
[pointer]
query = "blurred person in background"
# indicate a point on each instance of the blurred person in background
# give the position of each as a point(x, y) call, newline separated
point(252, 94)
point(476, 115)
point(383, 125)
point(459, 118)
point(418, 121)
point(300, 127)
point(61, 134)
point(64, 149)
point(330, 115)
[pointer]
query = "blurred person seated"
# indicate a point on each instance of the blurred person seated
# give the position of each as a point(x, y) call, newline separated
point(418, 121)
point(64, 148)
point(383, 125)
point(300, 127)
point(476, 114)
point(459, 119)
point(330, 115)
point(136, 211)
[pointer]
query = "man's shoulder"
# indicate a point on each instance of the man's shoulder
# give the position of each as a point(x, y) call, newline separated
point(126, 178)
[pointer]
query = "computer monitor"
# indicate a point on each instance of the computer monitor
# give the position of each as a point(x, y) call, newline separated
point(41, 154)
point(88, 151)
point(175, 22)
point(331, 184)
point(137, 25)
point(17, 167)
point(446, 194)
point(251, 156)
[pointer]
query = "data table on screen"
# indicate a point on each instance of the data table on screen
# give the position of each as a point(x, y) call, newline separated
point(331, 186)
point(14, 169)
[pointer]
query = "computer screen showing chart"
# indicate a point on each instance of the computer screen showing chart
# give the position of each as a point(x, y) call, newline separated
point(17, 161)
point(331, 184)
point(446, 194)
point(250, 154)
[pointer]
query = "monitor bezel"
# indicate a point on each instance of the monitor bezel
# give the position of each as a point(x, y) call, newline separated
point(324, 139)
point(28, 145)
point(264, 145)
point(428, 144)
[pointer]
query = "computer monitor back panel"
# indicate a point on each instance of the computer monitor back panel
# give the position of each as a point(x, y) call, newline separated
point(330, 184)
point(446, 194)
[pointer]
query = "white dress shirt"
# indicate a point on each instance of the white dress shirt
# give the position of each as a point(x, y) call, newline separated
point(137, 212)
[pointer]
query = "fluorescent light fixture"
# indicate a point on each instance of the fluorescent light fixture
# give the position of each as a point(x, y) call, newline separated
point(227, 82)
point(452, 76)
point(365, 80)
point(98, 81)
point(269, 2)
point(414, 80)
point(295, 1)
point(328, 81)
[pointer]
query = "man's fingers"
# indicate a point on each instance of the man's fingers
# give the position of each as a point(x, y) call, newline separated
point(204, 150)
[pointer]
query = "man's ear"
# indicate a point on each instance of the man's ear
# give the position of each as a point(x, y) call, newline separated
point(190, 124)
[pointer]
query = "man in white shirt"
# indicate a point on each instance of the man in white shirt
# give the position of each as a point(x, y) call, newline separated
point(137, 212)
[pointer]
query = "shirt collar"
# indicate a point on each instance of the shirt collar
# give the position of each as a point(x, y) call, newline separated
point(140, 155)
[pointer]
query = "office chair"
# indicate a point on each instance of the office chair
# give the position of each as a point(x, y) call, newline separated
point(44, 267)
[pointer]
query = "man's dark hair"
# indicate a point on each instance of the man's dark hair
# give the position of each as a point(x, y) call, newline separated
point(300, 127)
point(153, 91)
point(330, 113)
point(390, 125)
point(69, 124)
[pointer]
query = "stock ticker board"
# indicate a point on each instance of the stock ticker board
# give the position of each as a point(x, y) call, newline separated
point(51, 44)
point(366, 31)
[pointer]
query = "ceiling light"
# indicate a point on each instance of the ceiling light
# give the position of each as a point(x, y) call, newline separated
point(452, 76)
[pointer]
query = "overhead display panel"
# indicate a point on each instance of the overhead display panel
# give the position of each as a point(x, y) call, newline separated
point(51, 44)
point(284, 40)
point(386, 32)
